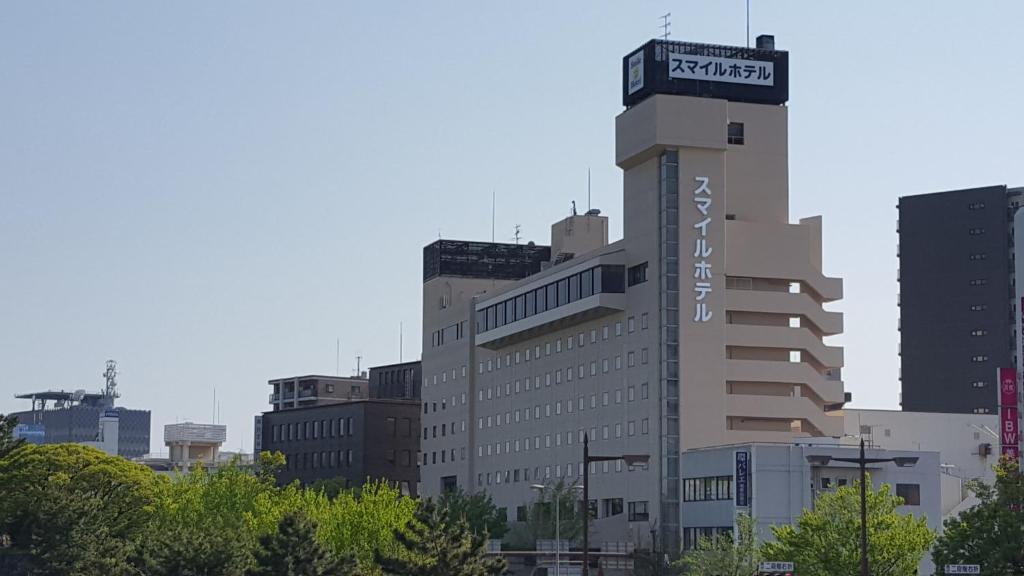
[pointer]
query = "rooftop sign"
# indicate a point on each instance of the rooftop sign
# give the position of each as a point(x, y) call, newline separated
point(755, 75)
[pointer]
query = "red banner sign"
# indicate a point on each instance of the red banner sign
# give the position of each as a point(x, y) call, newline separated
point(1009, 432)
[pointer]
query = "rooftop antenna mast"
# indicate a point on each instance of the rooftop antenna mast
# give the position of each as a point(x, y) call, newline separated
point(110, 375)
point(748, 23)
point(516, 236)
point(666, 25)
point(359, 360)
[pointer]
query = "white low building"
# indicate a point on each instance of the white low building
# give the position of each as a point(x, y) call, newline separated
point(967, 444)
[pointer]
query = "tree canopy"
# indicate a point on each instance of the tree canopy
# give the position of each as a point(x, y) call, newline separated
point(826, 541)
point(478, 510)
point(434, 546)
point(724, 554)
point(991, 533)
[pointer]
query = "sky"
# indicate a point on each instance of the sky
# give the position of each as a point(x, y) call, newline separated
point(216, 194)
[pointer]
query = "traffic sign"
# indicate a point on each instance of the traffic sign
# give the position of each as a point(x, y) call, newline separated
point(776, 567)
point(963, 569)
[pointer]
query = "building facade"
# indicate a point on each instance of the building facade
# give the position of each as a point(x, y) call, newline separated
point(356, 440)
point(958, 303)
point(775, 483)
point(703, 326)
point(398, 381)
point(305, 391)
point(57, 417)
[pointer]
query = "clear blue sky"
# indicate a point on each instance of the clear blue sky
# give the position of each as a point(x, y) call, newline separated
point(212, 193)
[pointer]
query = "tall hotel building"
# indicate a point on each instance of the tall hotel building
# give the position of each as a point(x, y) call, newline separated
point(703, 326)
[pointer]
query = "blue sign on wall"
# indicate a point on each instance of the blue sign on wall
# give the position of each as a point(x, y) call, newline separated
point(32, 433)
point(742, 479)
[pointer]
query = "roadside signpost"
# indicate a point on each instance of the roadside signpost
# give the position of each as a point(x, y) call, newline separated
point(776, 568)
point(963, 569)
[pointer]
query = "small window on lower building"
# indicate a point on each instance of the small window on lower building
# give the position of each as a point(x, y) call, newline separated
point(736, 135)
point(911, 494)
point(638, 511)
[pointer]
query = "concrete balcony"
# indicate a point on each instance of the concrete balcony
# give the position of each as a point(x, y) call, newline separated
point(831, 391)
point(785, 338)
point(829, 323)
point(785, 408)
point(786, 252)
point(577, 312)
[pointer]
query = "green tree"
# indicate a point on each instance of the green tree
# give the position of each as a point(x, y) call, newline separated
point(540, 517)
point(75, 510)
point(826, 540)
point(209, 523)
point(331, 487)
point(991, 533)
point(294, 551)
point(724, 555)
point(478, 510)
point(433, 546)
point(363, 522)
point(7, 441)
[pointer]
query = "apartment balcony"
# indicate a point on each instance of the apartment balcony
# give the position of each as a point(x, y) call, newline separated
point(784, 408)
point(780, 251)
point(830, 390)
point(829, 323)
point(784, 338)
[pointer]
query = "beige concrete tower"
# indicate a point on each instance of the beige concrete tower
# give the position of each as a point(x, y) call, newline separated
point(752, 361)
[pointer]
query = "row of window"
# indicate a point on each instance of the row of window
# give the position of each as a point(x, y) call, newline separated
point(608, 431)
point(556, 377)
point(610, 506)
point(452, 333)
point(547, 349)
point(596, 280)
point(979, 282)
point(976, 206)
point(314, 429)
point(581, 404)
point(557, 471)
point(707, 488)
point(321, 459)
point(693, 535)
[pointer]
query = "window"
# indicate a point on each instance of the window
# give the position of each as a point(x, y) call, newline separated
point(631, 359)
point(643, 321)
point(643, 391)
point(707, 488)
point(638, 511)
point(637, 274)
point(612, 506)
point(631, 324)
point(735, 133)
point(911, 494)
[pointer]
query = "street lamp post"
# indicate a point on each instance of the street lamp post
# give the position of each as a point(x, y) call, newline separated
point(862, 461)
point(629, 459)
point(558, 504)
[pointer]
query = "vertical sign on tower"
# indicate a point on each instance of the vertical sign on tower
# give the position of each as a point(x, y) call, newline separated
point(701, 250)
point(1009, 433)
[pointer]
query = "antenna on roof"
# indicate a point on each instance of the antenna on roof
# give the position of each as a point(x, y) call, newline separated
point(573, 207)
point(588, 188)
point(666, 25)
point(748, 23)
point(517, 235)
point(110, 375)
